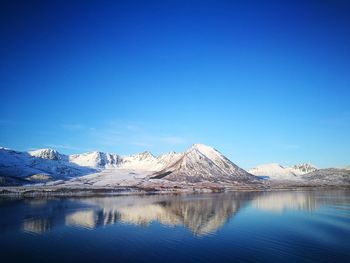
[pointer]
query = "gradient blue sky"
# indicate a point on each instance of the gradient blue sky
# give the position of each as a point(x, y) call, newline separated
point(261, 81)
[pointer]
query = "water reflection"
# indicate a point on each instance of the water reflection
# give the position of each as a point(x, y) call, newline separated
point(281, 201)
point(87, 219)
point(36, 226)
point(201, 214)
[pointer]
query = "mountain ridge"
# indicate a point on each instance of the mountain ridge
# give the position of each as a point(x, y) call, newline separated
point(215, 167)
point(276, 171)
point(198, 163)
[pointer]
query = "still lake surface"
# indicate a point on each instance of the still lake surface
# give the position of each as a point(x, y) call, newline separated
point(287, 226)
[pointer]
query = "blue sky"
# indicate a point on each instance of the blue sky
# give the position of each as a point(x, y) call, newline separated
point(261, 81)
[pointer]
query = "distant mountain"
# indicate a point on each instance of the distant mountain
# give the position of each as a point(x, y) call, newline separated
point(304, 168)
point(95, 159)
point(203, 163)
point(147, 162)
point(328, 176)
point(99, 160)
point(47, 154)
point(41, 165)
point(276, 171)
point(198, 163)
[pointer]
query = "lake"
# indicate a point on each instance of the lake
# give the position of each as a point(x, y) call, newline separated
point(286, 226)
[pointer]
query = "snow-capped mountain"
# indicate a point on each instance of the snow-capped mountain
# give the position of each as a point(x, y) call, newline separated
point(304, 168)
point(146, 161)
point(38, 165)
point(198, 163)
point(49, 154)
point(276, 171)
point(96, 159)
point(168, 158)
point(201, 162)
point(331, 176)
point(90, 159)
point(140, 161)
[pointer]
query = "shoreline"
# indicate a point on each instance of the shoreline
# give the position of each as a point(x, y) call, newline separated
point(83, 191)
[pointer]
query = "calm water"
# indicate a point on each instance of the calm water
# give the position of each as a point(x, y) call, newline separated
point(286, 226)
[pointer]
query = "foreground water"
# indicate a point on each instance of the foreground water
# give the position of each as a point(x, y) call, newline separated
point(290, 226)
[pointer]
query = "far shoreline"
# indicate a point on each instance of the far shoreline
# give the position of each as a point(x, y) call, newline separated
point(56, 191)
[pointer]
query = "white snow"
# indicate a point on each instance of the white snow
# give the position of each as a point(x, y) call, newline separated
point(46, 154)
point(147, 162)
point(104, 168)
point(198, 163)
point(96, 159)
point(201, 162)
point(111, 177)
point(276, 171)
point(41, 162)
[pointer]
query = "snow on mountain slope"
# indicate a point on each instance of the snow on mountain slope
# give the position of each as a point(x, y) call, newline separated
point(47, 154)
point(140, 161)
point(198, 163)
point(276, 171)
point(14, 163)
point(90, 159)
point(300, 169)
point(46, 164)
point(50, 165)
point(96, 159)
point(147, 162)
point(110, 177)
point(203, 163)
point(329, 176)
point(168, 158)
point(131, 170)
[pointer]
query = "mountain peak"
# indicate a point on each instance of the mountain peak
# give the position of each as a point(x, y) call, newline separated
point(143, 155)
point(46, 154)
point(280, 172)
point(203, 163)
point(305, 167)
point(200, 147)
point(95, 159)
point(206, 150)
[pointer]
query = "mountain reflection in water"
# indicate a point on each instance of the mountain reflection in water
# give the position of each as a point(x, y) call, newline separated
point(201, 214)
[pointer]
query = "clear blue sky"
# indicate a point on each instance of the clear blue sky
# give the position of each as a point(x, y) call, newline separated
point(261, 81)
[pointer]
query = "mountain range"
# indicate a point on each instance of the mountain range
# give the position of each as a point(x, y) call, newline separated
point(279, 172)
point(197, 165)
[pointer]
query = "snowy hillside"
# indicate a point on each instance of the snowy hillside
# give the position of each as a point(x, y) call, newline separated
point(47, 154)
point(147, 162)
point(201, 162)
point(329, 176)
point(276, 171)
point(96, 159)
point(47, 164)
point(41, 165)
point(198, 164)
point(300, 169)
